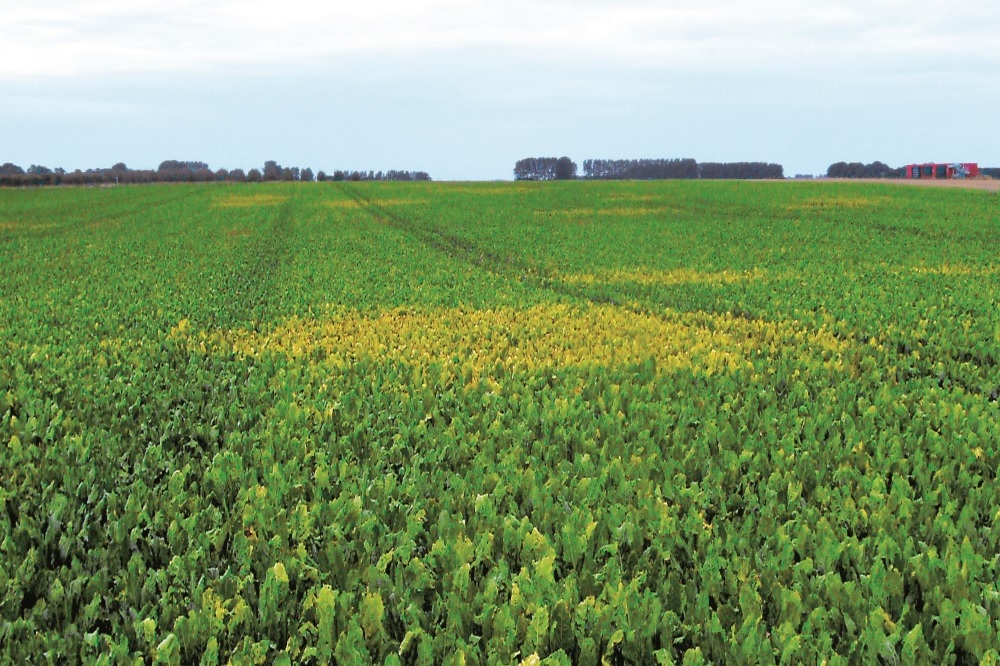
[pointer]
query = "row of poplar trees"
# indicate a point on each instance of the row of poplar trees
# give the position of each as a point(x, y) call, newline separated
point(563, 168)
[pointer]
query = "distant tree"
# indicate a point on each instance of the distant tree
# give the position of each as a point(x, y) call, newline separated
point(644, 169)
point(237, 176)
point(222, 174)
point(535, 168)
point(254, 176)
point(34, 176)
point(740, 170)
point(178, 171)
point(272, 170)
point(9, 169)
point(880, 170)
point(565, 169)
point(306, 175)
point(372, 175)
point(176, 165)
point(321, 176)
point(859, 170)
point(836, 170)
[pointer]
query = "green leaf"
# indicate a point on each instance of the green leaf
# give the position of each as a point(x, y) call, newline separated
point(168, 651)
point(372, 610)
point(663, 657)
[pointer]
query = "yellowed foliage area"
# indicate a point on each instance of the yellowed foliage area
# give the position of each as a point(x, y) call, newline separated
point(249, 200)
point(26, 226)
point(347, 204)
point(552, 335)
point(399, 202)
point(341, 203)
point(609, 211)
point(957, 269)
point(627, 196)
point(646, 276)
point(488, 189)
point(834, 202)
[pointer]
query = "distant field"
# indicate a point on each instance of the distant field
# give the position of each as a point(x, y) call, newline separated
point(558, 423)
point(962, 183)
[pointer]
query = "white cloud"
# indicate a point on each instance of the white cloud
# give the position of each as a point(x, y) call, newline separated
point(72, 38)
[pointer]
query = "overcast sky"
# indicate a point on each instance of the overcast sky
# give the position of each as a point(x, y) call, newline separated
point(462, 89)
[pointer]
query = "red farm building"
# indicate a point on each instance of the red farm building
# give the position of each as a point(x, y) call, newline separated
point(942, 170)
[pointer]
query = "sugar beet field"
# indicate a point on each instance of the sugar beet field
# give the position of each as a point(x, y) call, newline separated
point(431, 423)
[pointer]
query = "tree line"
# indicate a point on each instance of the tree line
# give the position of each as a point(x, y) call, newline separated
point(545, 168)
point(562, 168)
point(392, 174)
point(859, 170)
point(640, 169)
point(177, 171)
point(741, 170)
point(880, 170)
